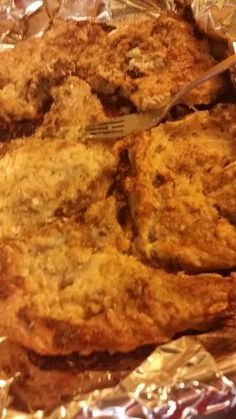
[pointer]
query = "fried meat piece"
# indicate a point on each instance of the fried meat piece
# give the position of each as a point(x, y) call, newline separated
point(146, 62)
point(42, 179)
point(28, 72)
point(183, 191)
point(59, 296)
point(74, 106)
point(149, 61)
point(55, 172)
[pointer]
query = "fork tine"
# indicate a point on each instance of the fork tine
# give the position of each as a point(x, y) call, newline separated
point(120, 126)
point(104, 134)
point(105, 125)
point(108, 132)
point(109, 126)
point(113, 121)
point(112, 128)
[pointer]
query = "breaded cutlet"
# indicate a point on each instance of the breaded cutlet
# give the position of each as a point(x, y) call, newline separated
point(60, 295)
point(148, 61)
point(36, 65)
point(40, 179)
point(74, 106)
point(182, 191)
point(145, 62)
point(55, 172)
point(70, 279)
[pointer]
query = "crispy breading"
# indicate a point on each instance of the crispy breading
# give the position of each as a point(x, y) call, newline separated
point(55, 171)
point(28, 72)
point(59, 296)
point(183, 191)
point(72, 276)
point(74, 106)
point(40, 179)
point(148, 61)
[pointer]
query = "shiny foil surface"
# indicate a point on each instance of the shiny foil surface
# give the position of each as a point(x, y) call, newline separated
point(216, 17)
point(191, 377)
point(122, 10)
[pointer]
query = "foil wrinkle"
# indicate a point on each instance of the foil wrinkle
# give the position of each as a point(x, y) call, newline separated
point(179, 380)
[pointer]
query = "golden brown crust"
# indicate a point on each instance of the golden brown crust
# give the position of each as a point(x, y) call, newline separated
point(78, 298)
point(183, 190)
point(69, 280)
point(41, 180)
point(72, 285)
point(148, 61)
point(44, 63)
point(74, 106)
point(55, 172)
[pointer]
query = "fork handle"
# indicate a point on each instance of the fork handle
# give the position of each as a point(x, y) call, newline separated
point(212, 72)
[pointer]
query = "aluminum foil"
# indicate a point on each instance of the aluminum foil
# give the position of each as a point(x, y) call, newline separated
point(189, 377)
point(216, 17)
point(133, 9)
point(178, 380)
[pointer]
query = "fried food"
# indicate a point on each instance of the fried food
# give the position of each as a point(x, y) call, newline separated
point(183, 191)
point(60, 294)
point(44, 179)
point(145, 63)
point(148, 61)
point(28, 72)
point(74, 106)
point(71, 275)
point(76, 271)
point(55, 172)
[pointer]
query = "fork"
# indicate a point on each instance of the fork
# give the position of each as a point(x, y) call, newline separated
point(121, 126)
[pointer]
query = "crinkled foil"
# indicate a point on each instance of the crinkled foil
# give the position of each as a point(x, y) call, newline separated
point(216, 17)
point(133, 9)
point(187, 378)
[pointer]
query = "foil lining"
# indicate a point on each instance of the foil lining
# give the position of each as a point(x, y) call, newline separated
point(178, 380)
point(123, 10)
point(187, 378)
point(216, 17)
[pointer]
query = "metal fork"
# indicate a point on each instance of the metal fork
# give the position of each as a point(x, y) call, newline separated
point(123, 125)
